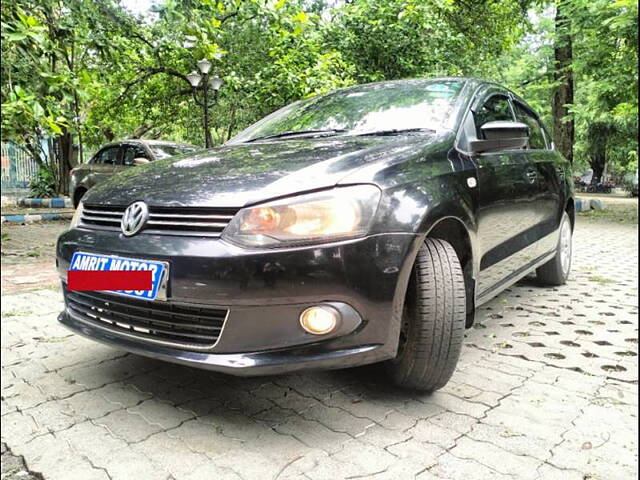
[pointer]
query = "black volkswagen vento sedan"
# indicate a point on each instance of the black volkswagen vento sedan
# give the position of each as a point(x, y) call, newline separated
point(361, 226)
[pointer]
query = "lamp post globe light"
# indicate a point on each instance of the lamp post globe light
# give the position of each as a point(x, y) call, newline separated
point(194, 79)
point(201, 84)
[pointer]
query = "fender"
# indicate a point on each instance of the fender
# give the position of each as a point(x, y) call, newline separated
point(431, 221)
point(462, 215)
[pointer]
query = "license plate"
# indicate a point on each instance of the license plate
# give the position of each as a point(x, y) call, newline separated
point(97, 262)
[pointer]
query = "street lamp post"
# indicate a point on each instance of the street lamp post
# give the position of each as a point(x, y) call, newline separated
point(203, 83)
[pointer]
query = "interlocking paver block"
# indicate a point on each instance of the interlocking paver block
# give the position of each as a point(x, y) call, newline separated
point(428, 432)
point(496, 458)
point(546, 385)
point(451, 466)
point(204, 438)
point(170, 455)
point(128, 426)
point(54, 456)
point(514, 442)
point(161, 413)
point(313, 434)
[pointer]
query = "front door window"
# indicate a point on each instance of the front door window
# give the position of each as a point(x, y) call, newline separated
point(497, 108)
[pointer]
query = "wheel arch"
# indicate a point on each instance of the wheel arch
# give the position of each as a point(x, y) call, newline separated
point(570, 208)
point(78, 193)
point(454, 231)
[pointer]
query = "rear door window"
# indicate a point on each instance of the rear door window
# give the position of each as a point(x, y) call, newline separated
point(132, 152)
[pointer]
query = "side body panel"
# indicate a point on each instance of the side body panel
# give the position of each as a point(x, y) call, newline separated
point(522, 194)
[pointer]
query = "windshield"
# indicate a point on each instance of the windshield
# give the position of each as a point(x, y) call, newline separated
point(404, 105)
point(164, 151)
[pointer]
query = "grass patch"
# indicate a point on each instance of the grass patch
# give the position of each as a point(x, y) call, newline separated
point(16, 313)
point(587, 268)
point(616, 213)
point(600, 279)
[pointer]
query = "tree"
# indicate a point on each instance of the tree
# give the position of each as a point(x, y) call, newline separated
point(603, 65)
point(268, 55)
point(606, 69)
point(87, 71)
point(563, 123)
point(386, 39)
point(50, 50)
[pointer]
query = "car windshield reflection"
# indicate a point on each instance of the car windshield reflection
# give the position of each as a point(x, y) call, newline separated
point(393, 106)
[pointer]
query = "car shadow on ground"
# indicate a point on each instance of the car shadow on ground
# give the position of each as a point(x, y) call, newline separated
point(274, 398)
point(214, 396)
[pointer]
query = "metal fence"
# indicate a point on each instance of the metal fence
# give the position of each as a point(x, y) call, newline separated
point(18, 168)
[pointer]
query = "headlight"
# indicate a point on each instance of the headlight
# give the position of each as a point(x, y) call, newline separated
point(76, 216)
point(331, 215)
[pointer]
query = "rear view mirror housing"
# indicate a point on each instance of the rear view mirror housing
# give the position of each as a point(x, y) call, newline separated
point(501, 135)
point(140, 161)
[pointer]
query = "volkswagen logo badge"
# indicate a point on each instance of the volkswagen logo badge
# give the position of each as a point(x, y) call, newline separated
point(134, 218)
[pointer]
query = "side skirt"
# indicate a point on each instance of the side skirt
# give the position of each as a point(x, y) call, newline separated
point(489, 293)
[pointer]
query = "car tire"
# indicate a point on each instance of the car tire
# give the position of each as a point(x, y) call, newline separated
point(433, 320)
point(556, 271)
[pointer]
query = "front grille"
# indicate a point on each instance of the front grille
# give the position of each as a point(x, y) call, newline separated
point(194, 221)
point(189, 327)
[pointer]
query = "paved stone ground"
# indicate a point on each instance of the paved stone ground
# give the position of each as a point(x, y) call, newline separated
point(28, 256)
point(546, 388)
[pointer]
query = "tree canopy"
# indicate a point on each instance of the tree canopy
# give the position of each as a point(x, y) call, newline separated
point(86, 72)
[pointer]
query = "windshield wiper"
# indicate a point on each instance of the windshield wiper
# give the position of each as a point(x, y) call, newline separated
point(395, 131)
point(296, 133)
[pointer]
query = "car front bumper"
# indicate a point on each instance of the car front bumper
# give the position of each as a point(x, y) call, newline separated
point(264, 292)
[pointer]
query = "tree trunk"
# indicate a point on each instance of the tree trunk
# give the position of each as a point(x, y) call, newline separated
point(63, 148)
point(598, 159)
point(34, 149)
point(108, 134)
point(597, 163)
point(563, 124)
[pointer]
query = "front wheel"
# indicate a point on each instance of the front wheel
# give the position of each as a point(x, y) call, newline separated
point(433, 320)
point(556, 271)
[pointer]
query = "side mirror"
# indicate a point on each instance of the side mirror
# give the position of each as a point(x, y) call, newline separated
point(140, 161)
point(501, 135)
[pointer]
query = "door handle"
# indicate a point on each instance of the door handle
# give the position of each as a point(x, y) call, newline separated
point(531, 175)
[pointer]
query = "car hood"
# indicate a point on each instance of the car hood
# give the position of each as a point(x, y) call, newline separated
point(242, 174)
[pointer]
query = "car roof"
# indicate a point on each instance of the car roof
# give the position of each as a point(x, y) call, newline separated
point(159, 142)
point(407, 80)
point(144, 141)
point(472, 82)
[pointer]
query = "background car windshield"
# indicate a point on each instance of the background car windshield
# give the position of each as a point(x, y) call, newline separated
point(367, 108)
point(164, 151)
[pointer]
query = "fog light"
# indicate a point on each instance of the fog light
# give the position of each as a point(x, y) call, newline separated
point(319, 320)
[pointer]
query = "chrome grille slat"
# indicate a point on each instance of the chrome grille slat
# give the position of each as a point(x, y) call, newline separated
point(161, 308)
point(133, 324)
point(186, 224)
point(182, 326)
point(173, 215)
point(136, 318)
point(184, 221)
point(100, 219)
point(181, 233)
point(103, 212)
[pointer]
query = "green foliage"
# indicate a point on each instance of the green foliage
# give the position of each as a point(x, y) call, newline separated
point(607, 98)
point(93, 72)
point(387, 39)
point(44, 185)
point(605, 56)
